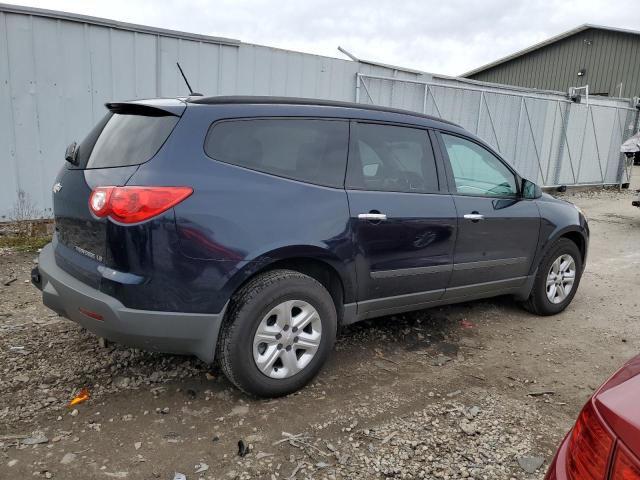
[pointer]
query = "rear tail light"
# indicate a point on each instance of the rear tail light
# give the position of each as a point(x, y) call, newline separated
point(625, 465)
point(589, 447)
point(135, 204)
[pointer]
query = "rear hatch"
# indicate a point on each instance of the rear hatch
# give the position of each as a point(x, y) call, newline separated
point(130, 134)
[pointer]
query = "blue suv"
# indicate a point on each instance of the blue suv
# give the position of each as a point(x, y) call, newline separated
point(249, 228)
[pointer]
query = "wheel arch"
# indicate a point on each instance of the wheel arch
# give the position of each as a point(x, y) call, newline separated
point(336, 275)
point(575, 233)
point(530, 294)
point(580, 241)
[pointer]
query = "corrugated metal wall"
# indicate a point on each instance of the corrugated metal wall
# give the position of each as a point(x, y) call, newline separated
point(609, 58)
point(57, 70)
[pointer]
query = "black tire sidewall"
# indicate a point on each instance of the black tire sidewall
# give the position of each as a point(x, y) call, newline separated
point(561, 247)
point(248, 317)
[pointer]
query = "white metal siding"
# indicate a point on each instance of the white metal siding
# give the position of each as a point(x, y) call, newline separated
point(57, 70)
point(57, 73)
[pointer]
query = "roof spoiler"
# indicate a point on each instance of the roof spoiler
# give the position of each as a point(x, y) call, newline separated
point(150, 108)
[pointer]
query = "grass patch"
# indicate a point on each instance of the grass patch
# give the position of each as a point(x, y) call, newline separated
point(24, 243)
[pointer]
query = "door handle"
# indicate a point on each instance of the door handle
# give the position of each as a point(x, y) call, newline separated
point(376, 217)
point(474, 217)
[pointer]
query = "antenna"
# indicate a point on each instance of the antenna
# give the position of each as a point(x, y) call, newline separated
point(191, 92)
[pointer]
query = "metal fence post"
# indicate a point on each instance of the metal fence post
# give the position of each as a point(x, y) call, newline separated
point(479, 112)
point(424, 103)
point(435, 103)
point(493, 127)
point(595, 139)
point(563, 143)
point(584, 134)
point(533, 137)
point(545, 180)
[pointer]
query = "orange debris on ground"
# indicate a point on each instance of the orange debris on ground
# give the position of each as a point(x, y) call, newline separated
point(83, 396)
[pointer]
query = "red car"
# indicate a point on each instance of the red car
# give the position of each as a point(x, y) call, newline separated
point(604, 444)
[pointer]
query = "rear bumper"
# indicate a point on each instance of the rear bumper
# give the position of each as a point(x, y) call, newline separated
point(170, 332)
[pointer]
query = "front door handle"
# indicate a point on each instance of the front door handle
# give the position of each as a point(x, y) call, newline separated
point(376, 217)
point(474, 217)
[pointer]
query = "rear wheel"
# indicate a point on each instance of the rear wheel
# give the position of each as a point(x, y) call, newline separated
point(557, 279)
point(278, 333)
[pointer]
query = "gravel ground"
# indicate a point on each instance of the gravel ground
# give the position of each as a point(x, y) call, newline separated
point(455, 392)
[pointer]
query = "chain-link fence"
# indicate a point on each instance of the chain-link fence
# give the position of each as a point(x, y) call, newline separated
point(545, 136)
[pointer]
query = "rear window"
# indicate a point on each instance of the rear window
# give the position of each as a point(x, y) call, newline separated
point(124, 139)
point(309, 150)
point(86, 146)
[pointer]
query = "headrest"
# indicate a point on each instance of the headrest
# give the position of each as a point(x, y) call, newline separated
point(310, 156)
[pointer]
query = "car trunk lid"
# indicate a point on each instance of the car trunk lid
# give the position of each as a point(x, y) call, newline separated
point(130, 134)
point(617, 402)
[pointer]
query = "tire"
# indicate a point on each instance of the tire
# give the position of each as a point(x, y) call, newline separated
point(276, 291)
point(539, 301)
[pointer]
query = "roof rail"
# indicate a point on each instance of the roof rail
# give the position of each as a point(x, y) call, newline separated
point(221, 100)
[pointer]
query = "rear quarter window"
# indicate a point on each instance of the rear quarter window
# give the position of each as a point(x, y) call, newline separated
point(309, 150)
point(126, 139)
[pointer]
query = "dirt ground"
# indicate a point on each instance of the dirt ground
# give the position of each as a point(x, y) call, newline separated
point(479, 390)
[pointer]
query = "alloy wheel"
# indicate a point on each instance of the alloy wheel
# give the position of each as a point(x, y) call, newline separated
point(560, 278)
point(287, 339)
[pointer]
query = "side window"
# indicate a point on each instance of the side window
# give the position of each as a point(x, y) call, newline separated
point(477, 171)
point(391, 158)
point(313, 151)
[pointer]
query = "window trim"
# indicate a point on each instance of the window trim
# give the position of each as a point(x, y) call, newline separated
point(441, 180)
point(213, 124)
point(449, 169)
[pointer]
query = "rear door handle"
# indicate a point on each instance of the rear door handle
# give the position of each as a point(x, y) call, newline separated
point(474, 217)
point(376, 217)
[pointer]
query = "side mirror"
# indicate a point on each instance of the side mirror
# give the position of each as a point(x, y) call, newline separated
point(71, 154)
point(530, 190)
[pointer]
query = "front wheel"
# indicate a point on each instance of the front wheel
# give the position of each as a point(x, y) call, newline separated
point(557, 279)
point(279, 331)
